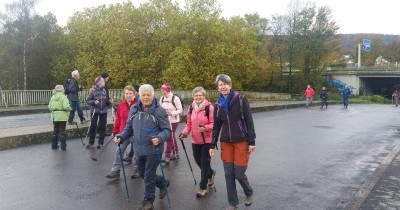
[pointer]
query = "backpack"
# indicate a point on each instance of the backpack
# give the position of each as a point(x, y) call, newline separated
point(66, 87)
point(173, 102)
point(206, 109)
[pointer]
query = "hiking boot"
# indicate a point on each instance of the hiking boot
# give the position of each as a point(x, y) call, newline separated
point(146, 205)
point(89, 146)
point(211, 180)
point(163, 191)
point(135, 175)
point(201, 193)
point(175, 157)
point(127, 159)
point(113, 175)
point(230, 207)
point(54, 146)
point(83, 121)
point(166, 161)
point(70, 122)
point(248, 201)
point(99, 146)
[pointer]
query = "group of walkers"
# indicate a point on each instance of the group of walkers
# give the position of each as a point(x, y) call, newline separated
point(323, 95)
point(147, 124)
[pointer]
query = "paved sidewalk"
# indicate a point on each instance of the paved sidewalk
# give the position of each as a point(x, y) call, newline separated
point(386, 193)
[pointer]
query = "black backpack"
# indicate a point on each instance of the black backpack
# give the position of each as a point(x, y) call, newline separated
point(66, 87)
point(173, 102)
point(206, 111)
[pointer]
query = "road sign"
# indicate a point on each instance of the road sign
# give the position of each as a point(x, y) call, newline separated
point(366, 45)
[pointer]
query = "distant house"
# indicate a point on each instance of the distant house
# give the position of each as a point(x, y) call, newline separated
point(380, 60)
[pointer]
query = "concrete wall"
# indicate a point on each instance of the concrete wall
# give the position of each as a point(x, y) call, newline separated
point(351, 80)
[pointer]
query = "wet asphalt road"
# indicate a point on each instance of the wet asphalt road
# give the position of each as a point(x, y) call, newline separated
point(304, 159)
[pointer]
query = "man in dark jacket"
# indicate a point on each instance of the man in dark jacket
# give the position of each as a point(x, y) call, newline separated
point(323, 95)
point(149, 125)
point(73, 90)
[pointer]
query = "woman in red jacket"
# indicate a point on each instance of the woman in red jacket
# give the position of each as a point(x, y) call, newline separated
point(120, 120)
point(200, 122)
point(309, 94)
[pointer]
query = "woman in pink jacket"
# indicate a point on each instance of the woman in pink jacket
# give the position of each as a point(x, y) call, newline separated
point(200, 120)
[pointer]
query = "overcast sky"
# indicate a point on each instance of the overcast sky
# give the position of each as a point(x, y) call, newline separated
point(352, 16)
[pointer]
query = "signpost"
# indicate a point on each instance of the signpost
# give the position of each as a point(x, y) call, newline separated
point(366, 47)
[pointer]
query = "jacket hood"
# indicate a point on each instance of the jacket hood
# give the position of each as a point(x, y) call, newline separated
point(58, 96)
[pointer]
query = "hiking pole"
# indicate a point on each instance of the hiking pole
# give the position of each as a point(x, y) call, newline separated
point(123, 171)
point(163, 175)
point(190, 165)
point(87, 133)
point(96, 156)
point(79, 132)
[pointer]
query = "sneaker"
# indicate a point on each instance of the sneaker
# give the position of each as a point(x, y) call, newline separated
point(146, 205)
point(99, 146)
point(201, 193)
point(135, 175)
point(113, 175)
point(212, 179)
point(248, 201)
point(163, 191)
point(165, 160)
point(128, 159)
point(83, 121)
point(89, 146)
point(70, 122)
point(230, 207)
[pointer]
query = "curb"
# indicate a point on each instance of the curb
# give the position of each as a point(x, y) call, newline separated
point(373, 179)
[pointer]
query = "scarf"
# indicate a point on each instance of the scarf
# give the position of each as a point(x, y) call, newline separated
point(197, 108)
point(224, 102)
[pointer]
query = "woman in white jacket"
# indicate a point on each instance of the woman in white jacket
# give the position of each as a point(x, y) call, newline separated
point(172, 104)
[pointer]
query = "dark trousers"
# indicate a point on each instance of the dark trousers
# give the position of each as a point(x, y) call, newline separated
point(76, 106)
point(203, 160)
point(147, 165)
point(98, 122)
point(345, 102)
point(58, 133)
point(324, 101)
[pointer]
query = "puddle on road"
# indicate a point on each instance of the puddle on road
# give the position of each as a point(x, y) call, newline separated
point(322, 126)
point(84, 190)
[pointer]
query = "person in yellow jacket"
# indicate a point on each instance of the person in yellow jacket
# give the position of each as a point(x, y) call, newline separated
point(59, 107)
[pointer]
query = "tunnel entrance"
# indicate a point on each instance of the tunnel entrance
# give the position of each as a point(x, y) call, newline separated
point(383, 86)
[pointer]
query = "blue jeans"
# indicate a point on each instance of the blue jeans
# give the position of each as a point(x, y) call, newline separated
point(76, 106)
point(148, 165)
point(117, 159)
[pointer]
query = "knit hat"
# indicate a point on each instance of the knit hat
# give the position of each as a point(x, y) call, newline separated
point(167, 87)
point(104, 75)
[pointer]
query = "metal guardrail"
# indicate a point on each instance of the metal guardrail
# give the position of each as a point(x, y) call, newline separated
point(41, 97)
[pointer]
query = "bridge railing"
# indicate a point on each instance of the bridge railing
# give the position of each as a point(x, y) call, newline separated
point(42, 97)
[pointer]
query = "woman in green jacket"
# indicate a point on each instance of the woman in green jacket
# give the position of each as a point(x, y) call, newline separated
point(59, 107)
